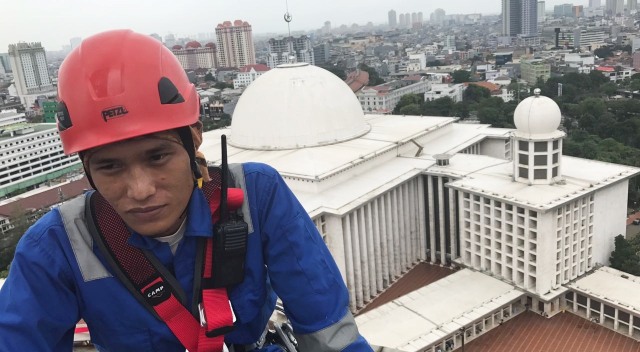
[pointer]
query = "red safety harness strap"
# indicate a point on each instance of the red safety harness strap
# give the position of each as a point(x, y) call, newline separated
point(154, 290)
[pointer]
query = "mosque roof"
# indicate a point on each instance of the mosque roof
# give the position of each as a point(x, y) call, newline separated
point(294, 106)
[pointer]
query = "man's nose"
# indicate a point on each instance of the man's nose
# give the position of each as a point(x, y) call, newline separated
point(141, 184)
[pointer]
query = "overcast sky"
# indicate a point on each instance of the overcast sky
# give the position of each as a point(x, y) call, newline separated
point(54, 22)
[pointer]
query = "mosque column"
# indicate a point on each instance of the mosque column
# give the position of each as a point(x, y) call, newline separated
point(452, 224)
point(422, 223)
point(373, 261)
point(336, 242)
point(364, 254)
point(378, 245)
point(348, 246)
point(432, 221)
point(357, 262)
point(441, 215)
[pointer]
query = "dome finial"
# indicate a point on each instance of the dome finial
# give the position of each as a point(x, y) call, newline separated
point(537, 92)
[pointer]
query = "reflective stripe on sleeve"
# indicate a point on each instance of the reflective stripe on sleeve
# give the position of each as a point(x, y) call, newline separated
point(72, 214)
point(335, 337)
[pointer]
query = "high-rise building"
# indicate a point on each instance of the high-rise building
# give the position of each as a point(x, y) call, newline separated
point(4, 62)
point(632, 5)
point(407, 20)
point(529, 18)
point(194, 56)
point(438, 16)
point(511, 13)
point(578, 11)
point(31, 75)
point(30, 154)
point(393, 19)
point(327, 27)
point(564, 10)
point(594, 3)
point(519, 17)
point(322, 53)
point(235, 44)
point(541, 14)
point(615, 7)
point(281, 50)
point(75, 42)
point(420, 17)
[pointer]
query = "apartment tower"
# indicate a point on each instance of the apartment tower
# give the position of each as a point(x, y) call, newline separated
point(235, 44)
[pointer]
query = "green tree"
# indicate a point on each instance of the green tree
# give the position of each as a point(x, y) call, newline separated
point(20, 222)
point(475, 93)
point(336, 70)
point(624, 257)
point(603, 52)
point(411, 109)
point(209, 77)
point(374, 77)
point(461, 76)
point(609, 88)
point(438, 107)
point(408, 99)
point(223, 85)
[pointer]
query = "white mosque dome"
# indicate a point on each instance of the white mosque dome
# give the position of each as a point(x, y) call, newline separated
point(295, 106)
point(537, 115)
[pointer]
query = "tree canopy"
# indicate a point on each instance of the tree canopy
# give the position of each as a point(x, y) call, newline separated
point(461, 76)
point(374, 77)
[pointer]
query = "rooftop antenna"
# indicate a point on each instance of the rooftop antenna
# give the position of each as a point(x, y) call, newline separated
point(287, 18)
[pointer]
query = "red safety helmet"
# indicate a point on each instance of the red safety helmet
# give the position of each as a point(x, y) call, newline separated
point(118, 85)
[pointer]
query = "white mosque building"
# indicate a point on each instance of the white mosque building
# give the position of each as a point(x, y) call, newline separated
point(527, 225)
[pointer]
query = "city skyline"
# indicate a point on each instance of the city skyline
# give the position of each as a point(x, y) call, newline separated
point(81, 18)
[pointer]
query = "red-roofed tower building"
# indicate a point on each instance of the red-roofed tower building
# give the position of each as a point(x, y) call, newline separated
point(194, 56)
point(235, 44)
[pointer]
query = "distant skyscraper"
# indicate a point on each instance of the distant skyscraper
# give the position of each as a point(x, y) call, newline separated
point(235, 44)
point(75, 42)
point(393, 19)
point(170, 40)
point(281, 49)
point(420, 17)
point(595, 3)
point(407, 20)
point(541, 14)
point(4, 61)
point(615, 7)
point(327, 27)
point(511, 12)
point(414, 18)
point(529, 18)
point(29, 66)
point(438, 16)
point(632, 4)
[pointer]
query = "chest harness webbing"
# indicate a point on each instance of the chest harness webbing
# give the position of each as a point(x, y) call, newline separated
point(219, 264)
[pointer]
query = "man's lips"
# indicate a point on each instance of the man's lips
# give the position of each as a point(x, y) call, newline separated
point(146, 212)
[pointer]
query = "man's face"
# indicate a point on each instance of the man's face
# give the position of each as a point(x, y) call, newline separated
point(148, 181)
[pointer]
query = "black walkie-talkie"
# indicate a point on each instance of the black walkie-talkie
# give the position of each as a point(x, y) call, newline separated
point(230, 244)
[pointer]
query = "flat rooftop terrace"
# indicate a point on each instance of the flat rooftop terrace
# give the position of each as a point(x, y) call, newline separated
point(565, 332)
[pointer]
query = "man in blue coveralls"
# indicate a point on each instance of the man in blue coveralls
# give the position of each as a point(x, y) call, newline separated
point(126, 108)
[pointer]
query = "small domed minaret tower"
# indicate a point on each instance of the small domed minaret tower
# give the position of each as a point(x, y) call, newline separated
point(537, 142)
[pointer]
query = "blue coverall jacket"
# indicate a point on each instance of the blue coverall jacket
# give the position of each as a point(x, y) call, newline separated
point(59, 276)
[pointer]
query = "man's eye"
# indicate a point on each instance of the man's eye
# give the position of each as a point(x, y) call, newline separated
point(159, 157)
point(107, 167)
